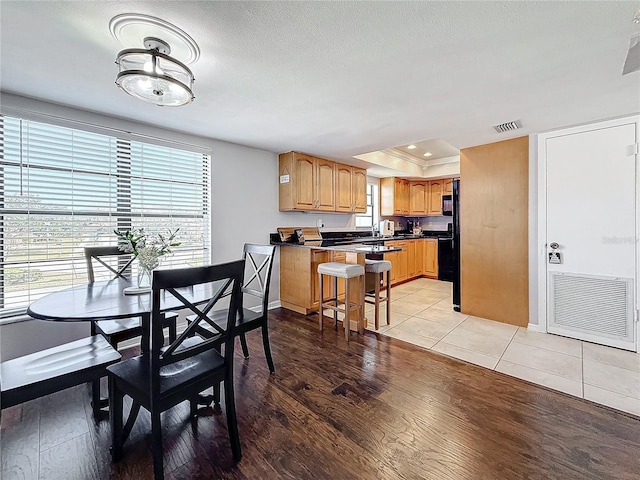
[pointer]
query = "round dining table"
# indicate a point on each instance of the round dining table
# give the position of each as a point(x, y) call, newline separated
point(106, 301)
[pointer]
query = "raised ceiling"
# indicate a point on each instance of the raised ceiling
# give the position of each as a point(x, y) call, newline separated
point(338, 79)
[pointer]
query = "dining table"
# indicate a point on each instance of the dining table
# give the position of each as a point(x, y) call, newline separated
point(106, 300)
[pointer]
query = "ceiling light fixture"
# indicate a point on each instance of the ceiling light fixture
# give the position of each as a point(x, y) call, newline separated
point(152, 76)
point(428, 154)
point(411, 147)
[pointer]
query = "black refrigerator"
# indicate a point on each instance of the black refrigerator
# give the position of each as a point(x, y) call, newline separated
point(456, 243)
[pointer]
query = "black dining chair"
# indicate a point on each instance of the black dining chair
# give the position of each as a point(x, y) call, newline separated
point(166, 376)
point(119, 330)
point(259, 262)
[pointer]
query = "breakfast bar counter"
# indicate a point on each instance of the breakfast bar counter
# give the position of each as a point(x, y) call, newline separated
point(299, 283)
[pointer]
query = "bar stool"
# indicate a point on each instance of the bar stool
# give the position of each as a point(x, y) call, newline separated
point(378, 267)
point(346, 271)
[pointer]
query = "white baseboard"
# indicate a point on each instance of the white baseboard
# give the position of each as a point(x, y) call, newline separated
point(534, 327)
point(274, 304)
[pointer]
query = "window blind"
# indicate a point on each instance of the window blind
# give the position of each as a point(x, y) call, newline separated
point(62, 189)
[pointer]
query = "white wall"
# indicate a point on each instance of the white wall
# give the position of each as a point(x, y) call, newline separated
point(244, 205)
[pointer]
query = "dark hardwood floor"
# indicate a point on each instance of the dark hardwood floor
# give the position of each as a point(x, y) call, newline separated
point(375, 408)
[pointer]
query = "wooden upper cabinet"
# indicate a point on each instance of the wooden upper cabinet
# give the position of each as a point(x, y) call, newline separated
point(351, 189)
point(310, 183)
point(394, 196)
point(304, 174)
point(435, 197)
point(448, 186)
point(418, 198)
point(399, 196)
point(344, 202)
point(326, 185)
point(359, 189)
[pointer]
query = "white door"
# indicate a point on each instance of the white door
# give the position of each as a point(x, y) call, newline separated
point(591, 216)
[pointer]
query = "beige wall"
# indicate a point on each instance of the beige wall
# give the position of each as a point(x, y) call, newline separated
point(494, 182)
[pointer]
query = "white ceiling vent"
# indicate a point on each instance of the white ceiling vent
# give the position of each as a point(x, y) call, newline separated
point(507, 127)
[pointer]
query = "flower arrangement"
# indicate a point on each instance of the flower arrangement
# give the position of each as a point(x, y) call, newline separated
point(145, 248)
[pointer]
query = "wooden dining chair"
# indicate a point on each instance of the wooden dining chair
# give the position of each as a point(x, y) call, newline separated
point(118, 263)
point(166, 376)
point(259, 262)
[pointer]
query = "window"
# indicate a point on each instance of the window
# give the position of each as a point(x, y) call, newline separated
point(370, 218)
point(62, 189)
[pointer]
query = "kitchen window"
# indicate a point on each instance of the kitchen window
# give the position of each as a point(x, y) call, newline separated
point(62, 189)
point(370, 218)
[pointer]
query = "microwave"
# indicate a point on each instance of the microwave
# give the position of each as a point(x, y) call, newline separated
point(447, 205)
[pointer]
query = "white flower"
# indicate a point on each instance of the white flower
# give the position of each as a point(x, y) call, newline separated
point(149, 257)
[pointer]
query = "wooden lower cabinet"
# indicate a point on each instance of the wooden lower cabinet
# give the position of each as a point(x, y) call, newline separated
point(430, 268)
point(418, 258)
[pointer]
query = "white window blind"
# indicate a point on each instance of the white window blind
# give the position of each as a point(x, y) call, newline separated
point(62, 189)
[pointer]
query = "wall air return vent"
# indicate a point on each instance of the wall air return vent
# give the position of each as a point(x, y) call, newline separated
point(507, 127)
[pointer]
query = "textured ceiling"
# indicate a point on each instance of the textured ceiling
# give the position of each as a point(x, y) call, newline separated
point(342, 78)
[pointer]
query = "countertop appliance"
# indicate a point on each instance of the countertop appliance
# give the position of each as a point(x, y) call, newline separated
point(387, 228)
point(455, 203)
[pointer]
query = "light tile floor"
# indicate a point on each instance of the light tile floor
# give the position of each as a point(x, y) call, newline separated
point(421, 314)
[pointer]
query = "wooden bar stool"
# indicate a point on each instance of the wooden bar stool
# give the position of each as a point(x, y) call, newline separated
point(377, 268)
point(346, 271)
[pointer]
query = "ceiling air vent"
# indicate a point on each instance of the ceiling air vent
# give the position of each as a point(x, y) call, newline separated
point(507, 127)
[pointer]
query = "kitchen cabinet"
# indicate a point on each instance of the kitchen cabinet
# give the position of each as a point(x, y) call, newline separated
point(418, 198)
point(351, 189)
point(411, 258)
point(399, 196)
point(448, 186)
point(419, 257)
point(306, 183)
point(435, 197)
point(394, 196)
point(430, 268)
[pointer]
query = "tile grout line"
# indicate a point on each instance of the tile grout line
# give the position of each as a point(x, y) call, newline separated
point(550, 349)
point(505, 348)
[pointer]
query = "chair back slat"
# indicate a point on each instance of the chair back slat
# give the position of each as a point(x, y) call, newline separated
point(178, 283)
point(99, 253)
point(259, 258)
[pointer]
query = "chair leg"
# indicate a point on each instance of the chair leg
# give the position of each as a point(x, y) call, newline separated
point(347, 311)
point(216, 395)
point(193, 407)
point(173, 331)
point(361, 309)
point(115, 419)
point(232, 421)
point(267, 347)
point(335, 312)
point(388, 297)
point(377, 301)
point(156, 446)
point(320, 319)
point(95, 397)
point(243, 343)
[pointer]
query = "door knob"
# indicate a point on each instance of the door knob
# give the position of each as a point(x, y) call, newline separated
point(554, 245)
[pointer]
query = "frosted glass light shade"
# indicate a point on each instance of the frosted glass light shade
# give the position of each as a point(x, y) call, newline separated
point(154, 77)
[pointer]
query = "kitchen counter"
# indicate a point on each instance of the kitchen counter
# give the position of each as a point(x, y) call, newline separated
point(357, 247)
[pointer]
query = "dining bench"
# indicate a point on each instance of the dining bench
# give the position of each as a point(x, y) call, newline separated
point(47, 371)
